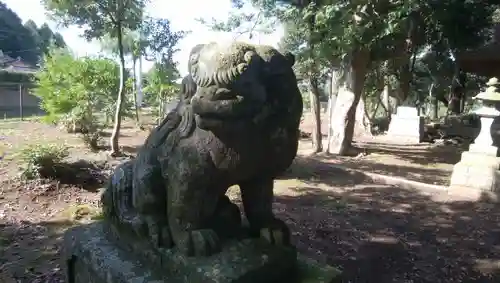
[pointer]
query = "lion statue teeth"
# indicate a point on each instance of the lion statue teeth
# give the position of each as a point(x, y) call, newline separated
point(237, 123)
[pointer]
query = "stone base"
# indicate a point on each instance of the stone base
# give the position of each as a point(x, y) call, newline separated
point(488, 150)
point(93, 258)
point(406, 129)
point(476, 171)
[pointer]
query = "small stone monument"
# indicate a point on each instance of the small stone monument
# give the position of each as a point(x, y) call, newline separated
point(406, 125)
point(478, 167)
point(166, 214)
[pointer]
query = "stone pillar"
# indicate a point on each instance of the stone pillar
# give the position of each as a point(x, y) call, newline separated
point(478, 167)
point(406, 125)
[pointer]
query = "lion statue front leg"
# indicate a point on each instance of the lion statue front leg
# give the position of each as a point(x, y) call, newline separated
point(188, 223)
point(191, 203)
point(257, 196)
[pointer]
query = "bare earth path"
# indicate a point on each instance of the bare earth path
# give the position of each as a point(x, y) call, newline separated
point(425, 162)
point(379, 233)
point(374, 233)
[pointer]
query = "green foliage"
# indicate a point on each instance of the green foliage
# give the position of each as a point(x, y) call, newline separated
point(44, 37)
point(133, 45)
point(161, 41)
point(15, 39)
point(92, 139)
point(157, 42)
point(41, 160)
point(496, 16)
point(161, 76)
point(97, 18)
point(76, 91)
point(243, 22)
point(26, 41)
point(322, 33)
point(161, 87)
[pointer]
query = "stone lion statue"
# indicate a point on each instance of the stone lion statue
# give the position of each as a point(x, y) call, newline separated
point(237, 123)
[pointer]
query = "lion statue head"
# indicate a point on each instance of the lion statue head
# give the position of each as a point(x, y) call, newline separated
point(239, 83)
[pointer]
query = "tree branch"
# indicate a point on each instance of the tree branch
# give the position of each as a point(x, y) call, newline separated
point(107, 12)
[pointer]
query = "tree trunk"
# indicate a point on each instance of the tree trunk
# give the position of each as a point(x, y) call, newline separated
point(457, 93)
point(161, 106)
point(344, 114)
point(386, 100)
point(434, 101)
point(404, 81)
point(134, 74)
point(375, 110)
point(316, 113)
point(362, 125)
point(115, 150)
point(337, 81)
point(140, 94)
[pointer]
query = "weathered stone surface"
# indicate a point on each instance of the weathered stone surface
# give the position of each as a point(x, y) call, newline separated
point(166, 215)
point(237, 123)
point(477, 169)
point(406, 125)
point(93, 257)
point(475, 176)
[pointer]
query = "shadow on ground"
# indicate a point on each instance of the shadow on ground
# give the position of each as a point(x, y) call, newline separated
point(377, 233)
point(30, 252)
point(88, 175)
point(127, 150)
point(423, 154)
point(373, 233)
point(422, 163)
point(419, 174)
point(313, 170)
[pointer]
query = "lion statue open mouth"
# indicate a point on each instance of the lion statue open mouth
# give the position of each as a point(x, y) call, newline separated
point(237, 124)
point(232, 80)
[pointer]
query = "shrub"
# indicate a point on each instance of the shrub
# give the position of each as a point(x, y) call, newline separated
point(42, 161)
point(92, 139)
point(79, 93)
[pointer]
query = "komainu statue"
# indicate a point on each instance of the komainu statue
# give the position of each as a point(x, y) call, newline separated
point(237, 123)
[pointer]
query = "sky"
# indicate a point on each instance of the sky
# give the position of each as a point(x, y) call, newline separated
point(182, 14)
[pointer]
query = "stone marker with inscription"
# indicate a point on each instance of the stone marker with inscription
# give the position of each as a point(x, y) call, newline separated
point(406, 125)
point(166, 215)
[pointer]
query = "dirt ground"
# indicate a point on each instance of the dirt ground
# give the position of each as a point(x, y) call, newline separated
point(425, 162)
point(373, 233)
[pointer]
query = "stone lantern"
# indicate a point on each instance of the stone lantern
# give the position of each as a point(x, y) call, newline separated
point(478, 167)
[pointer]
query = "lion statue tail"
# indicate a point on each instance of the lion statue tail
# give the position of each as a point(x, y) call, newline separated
point(116, 200)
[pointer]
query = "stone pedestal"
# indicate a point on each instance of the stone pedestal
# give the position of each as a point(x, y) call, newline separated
point(406, 125)
point(94, 256)
point(478, 167)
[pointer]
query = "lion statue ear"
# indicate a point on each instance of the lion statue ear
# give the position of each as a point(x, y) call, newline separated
point(290, 58)
point(188, 88)
point(193, 55)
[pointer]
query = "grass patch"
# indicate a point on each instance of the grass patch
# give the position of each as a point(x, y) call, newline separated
point(41, 160)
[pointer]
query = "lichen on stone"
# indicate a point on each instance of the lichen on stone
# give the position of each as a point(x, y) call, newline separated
point(234, 55)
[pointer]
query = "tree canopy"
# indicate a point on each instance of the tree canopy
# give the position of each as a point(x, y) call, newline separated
point(28, 41)
point(99, 19)
point(379, 43)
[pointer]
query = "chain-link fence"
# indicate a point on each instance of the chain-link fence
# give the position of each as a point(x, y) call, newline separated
point(17, 101)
